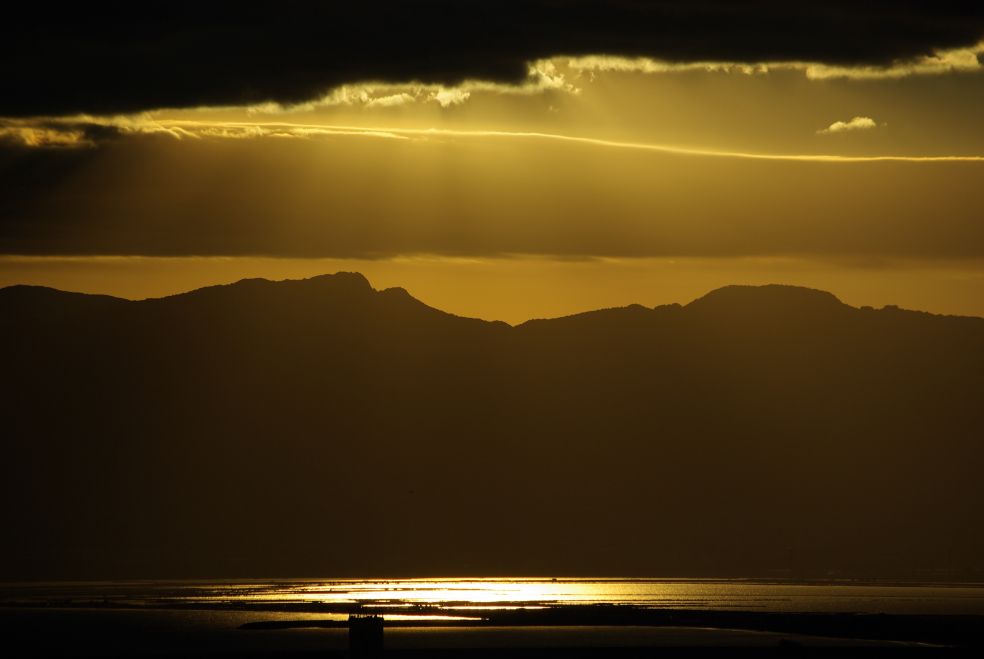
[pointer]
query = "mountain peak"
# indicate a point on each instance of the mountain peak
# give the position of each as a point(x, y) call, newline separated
point(770, 296)
point(350, 280)
point(352, 283)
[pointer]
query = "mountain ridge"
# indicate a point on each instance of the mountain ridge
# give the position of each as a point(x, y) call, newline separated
point(355, 283)
point(809, 437)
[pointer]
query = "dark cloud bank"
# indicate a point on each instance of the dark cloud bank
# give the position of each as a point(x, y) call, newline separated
point(110, 58)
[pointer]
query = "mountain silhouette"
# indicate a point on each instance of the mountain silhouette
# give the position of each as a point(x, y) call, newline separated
point(320, 427)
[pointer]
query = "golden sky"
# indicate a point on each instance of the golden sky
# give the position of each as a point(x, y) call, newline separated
point(598, 181)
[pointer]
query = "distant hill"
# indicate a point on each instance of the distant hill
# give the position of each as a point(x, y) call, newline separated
point(321, 427)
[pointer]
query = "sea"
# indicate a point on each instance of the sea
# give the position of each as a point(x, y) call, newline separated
point(115, 618)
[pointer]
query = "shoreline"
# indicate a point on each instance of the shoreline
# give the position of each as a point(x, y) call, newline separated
point(959, 631)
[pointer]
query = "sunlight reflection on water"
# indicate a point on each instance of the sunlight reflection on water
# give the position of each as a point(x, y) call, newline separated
point(475, 595)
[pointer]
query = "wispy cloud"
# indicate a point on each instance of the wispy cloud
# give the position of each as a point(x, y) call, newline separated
point(84, 132)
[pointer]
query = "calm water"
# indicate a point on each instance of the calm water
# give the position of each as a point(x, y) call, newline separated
point(463, 598)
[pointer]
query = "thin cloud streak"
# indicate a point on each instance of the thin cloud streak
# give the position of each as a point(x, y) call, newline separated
point(273, 129)
point(87, 132)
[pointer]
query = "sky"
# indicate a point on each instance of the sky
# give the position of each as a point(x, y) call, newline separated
point(501, 160)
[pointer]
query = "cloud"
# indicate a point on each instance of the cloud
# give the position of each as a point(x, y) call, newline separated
point(958, 60)
point(90, 132)
point(542, 76)
point(57, 133)
point(855, 124)
point(449, 97)
point(106, 59)
point(939, 62)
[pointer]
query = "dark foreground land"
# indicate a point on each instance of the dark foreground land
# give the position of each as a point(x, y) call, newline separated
point(584, 631)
